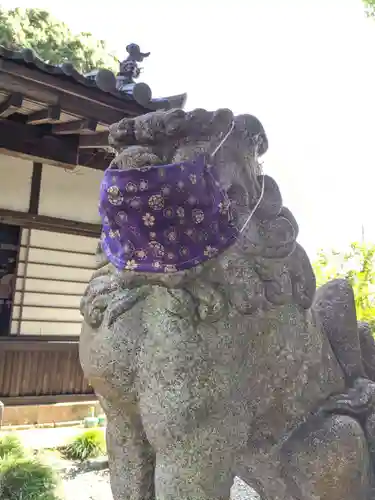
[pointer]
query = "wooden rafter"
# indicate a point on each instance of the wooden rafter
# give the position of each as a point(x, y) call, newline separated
point(46, 115)
point(75, 127)
point(99, 160)
point(8, 106)
point(28, 141)
point(49, 223)
point(98, 140)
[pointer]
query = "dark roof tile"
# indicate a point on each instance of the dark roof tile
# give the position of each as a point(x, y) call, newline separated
point(103, 80)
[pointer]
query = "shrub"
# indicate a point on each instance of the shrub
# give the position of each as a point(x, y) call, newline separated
point(26, 479)
point(89, 444)
point(11, 445)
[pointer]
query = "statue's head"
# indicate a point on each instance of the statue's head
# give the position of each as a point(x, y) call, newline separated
point(165, 197)
point(174, 136)
point(135, 53)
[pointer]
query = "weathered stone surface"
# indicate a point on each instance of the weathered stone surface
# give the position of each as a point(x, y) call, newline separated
point(229, 368)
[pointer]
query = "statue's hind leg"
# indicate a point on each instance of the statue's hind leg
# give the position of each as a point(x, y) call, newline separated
point(131, 458)
point(327, 458)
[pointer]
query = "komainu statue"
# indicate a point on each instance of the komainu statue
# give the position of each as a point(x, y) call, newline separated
point(204, 337)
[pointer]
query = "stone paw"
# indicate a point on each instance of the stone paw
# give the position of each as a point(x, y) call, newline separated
point(359, 400)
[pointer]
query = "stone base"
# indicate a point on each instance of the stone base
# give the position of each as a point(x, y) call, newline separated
point(48, 414)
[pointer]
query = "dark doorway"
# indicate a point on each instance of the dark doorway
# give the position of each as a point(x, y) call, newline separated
point(9, 246)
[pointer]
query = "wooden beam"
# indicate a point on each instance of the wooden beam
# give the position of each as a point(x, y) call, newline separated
point(98, 160)
point(12, 101)
point(46, 400)
point(98, 140)
point(46, 115)
point(39, 342)
point(47, 223)
point(36, 181)
point(75, 127)
point(30, 142)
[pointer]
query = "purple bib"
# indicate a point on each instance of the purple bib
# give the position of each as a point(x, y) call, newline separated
point(164, 218)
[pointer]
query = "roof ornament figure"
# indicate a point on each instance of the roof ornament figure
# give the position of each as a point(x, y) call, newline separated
point(129, 69)
point(125, 86)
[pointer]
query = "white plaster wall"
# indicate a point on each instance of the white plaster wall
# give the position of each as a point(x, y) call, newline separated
point(70, 194)
point(51, 279)
point(15, 183)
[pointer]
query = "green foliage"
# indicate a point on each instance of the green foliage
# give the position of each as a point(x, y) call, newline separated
point(26, 478)
point(356, 265)
point(89, 444)
point(369, 7)
point(52, 40)
point(10, 444)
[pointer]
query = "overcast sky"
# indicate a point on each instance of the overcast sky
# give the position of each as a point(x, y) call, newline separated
point(305, 68)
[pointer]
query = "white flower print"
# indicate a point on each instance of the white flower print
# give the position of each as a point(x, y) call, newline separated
point(148, 220)
point(198, 216)
point(210, 251)
point(171, 235)
point(168, 212)
point(156, 202)
point(180, 211)
point(157, 248)
point(131, 265)
point(193, 178)
point(143, 185)
point(114, 233)
point(141, 254)
point(131, 187)
point(156, 264)
point(114, 195)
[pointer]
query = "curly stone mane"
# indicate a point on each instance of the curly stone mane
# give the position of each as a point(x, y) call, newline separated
point(268, 265)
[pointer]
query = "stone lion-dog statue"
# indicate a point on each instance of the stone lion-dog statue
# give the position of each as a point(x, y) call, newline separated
point(204, 337)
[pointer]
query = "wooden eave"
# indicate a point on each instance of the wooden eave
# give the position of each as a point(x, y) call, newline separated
point(43, 117)
point(72, 96)
point(57, 116)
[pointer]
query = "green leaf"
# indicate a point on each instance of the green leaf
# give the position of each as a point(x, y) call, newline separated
point(357, 265)
point(52, 40)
